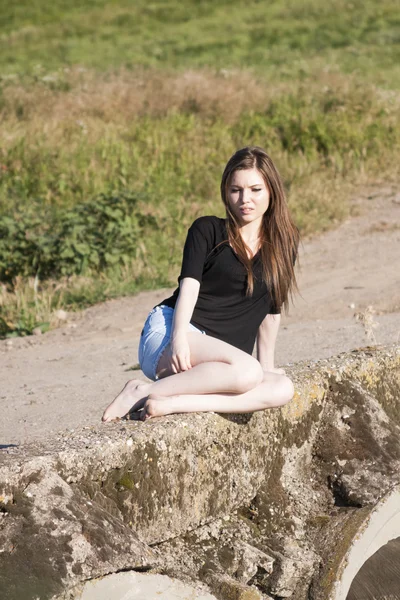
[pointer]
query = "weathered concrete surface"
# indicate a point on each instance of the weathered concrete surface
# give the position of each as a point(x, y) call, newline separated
point(257, 506)
point(381, 526)
point(141, 586)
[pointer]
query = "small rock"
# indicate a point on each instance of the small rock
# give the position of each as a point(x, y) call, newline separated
point(162, 445)
point(37, 331)
point(61, 315)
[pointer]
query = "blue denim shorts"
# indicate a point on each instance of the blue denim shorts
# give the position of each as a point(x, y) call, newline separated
point(155, 337)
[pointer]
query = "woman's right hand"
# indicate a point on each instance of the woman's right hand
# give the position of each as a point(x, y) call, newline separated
point(180, 354)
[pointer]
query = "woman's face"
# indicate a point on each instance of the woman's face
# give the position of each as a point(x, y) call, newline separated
point(248, 196)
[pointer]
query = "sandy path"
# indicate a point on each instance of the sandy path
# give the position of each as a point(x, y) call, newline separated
point(63, 379)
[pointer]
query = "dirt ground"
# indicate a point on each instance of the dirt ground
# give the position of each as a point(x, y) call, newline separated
point(64, 379)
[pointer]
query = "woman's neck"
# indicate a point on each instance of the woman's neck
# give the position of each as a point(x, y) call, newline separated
point(250, 233)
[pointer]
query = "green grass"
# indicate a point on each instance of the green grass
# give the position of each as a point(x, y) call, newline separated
point(151, 99)
point(282, 38)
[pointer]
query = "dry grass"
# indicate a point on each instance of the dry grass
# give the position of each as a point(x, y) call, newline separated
point(366, 319)
point(120, 97)
point(27, 306)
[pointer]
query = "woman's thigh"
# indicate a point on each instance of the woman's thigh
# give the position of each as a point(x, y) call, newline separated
point(204, 348)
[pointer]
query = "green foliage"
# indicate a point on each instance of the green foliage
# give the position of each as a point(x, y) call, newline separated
point(25, 324)
point(324, 126)
point(93, 236)
point(100, 234)
point(24, 241)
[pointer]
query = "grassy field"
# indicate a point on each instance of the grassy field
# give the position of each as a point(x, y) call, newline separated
point(283, 38)
point(105, 106)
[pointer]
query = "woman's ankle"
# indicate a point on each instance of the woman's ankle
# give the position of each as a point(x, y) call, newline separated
point(134, 386)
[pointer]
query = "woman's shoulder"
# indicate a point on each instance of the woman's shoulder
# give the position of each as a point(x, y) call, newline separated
point(211, 228)
point(209, 223)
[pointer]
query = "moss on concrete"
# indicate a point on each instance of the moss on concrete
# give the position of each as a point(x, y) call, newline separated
point(35, 564)
point(336, 542)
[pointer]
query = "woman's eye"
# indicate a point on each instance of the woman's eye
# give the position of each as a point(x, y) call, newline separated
point(256, 189)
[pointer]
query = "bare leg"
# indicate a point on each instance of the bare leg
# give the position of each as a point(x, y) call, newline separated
point(275, 390)
point(218, 367)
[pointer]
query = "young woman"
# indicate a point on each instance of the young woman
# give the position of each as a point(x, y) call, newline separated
point(237, 272)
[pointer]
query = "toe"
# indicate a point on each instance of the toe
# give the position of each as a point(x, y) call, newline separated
point(108, 418)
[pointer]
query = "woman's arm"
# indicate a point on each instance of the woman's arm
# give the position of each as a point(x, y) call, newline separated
point(187, 298)
point(266, 338)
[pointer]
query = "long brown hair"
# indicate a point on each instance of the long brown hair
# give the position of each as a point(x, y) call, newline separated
point(279, 237)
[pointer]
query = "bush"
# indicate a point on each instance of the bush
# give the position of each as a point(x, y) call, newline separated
point(92, 236)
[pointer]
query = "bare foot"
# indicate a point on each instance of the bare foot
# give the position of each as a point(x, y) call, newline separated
point(156, 406)
point(133, 396)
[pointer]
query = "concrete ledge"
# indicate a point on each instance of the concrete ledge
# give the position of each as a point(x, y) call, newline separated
point(381, 525)
point(118, 496)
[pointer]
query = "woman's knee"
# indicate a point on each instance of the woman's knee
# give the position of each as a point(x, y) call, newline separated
point(278, 391)
point(285, 390)
point(248, 375)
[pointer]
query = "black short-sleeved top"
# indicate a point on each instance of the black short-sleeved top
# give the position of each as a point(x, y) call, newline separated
point(223, 310)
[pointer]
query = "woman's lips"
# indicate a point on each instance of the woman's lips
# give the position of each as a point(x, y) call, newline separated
point(246, 211)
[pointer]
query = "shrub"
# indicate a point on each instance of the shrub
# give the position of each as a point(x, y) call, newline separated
point(93, 236)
